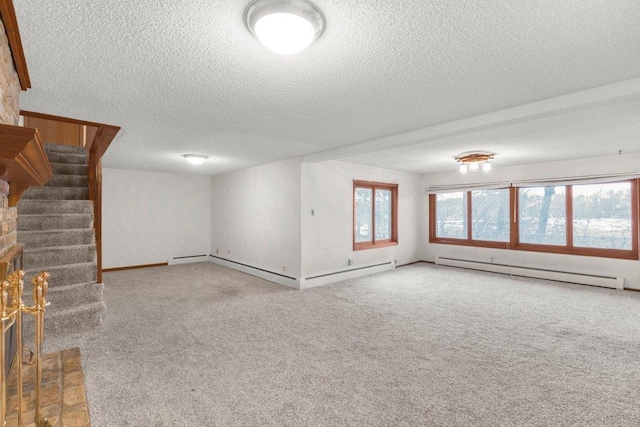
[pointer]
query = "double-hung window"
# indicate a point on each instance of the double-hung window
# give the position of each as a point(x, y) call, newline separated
point(375, 214)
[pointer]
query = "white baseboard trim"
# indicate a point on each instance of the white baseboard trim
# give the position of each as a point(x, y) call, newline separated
point(187, 259)
point(325, 279)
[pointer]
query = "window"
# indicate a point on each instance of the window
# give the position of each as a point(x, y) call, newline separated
point(490, 215)
point(579, 219)
point(602, 216)
point(374, 214)
point(471, 217)
point(542, 215)
point(451, 215)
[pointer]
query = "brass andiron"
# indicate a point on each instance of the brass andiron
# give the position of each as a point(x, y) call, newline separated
point(11, 308)
point(39, 292)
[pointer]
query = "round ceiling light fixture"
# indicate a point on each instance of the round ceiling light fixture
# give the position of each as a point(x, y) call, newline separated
point(195, 159)
point(284, 26)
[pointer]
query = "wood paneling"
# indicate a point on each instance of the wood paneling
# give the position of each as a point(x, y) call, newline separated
point(58, 132)
point(104, 133)
point(95, 194)
point(8, 15)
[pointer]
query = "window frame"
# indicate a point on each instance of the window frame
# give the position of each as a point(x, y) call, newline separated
point(373, 186)
point(468, 241)
point(514, 242)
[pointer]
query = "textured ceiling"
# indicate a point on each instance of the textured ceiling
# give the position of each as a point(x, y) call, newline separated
point(186, 76)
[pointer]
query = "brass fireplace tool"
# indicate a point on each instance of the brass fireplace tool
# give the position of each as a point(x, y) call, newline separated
point(11, 308)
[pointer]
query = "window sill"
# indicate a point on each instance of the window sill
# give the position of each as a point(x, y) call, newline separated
point(364, 246)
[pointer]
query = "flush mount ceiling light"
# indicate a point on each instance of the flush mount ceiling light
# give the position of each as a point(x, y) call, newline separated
point(284, 26)
point(471, 161)
point(195, 159)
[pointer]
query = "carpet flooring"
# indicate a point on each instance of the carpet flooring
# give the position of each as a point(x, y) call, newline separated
point(203, 345)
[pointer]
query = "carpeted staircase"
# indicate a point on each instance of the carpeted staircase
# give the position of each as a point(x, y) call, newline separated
point(55, 225)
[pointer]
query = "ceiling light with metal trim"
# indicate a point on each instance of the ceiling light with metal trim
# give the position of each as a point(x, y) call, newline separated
point(284, 26)
point(471, 161)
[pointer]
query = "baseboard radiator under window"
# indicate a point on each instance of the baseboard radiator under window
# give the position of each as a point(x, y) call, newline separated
point(538, 273)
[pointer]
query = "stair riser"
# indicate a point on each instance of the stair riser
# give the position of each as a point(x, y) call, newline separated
point(68, 181)
point(66, 275)
point(64, 148)
point(68, 297)
point(69, 169)
point(53, 207)
point(56, 193)
point(69, 158)
point(68, 255)
point(49, 238)
point(57, 222)
point(82, 318)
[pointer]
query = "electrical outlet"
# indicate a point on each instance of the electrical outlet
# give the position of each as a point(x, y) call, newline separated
point(349, 261)
point(216, 252)
point(228, 251)
point(313, 212)
point(284, 268)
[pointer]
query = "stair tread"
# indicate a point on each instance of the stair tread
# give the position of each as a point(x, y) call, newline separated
point(48, 248)
point(72, 286)
point(60, 267)
point(56, 231)
point(71, 174)
point(58, 214)
point(78, 308)
point(51, 188)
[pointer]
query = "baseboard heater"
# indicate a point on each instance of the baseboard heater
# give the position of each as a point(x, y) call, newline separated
point(538, 273)
point(187, 259)
point(337, 276)
point(282, 279)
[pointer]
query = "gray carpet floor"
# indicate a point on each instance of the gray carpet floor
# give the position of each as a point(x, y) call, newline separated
point(203, 345)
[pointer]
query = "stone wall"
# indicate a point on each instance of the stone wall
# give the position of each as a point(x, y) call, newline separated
point(9, 114)
point(9, 83)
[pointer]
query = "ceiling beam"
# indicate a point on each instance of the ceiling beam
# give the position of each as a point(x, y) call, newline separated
point(583, 100)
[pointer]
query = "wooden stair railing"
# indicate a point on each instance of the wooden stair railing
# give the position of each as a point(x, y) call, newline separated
point(96, 138)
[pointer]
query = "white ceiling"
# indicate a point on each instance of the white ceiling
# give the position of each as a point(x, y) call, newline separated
point(428, 78)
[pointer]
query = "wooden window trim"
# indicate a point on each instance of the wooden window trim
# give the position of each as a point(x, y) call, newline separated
point(393, 241)
point(567, 249)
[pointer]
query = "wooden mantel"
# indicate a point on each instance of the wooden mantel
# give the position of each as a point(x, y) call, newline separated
point(23, 161)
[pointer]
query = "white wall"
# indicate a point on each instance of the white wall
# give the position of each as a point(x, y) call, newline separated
point(149, 217)
point(256, 217)
point(327, 237)
point(630, 270)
